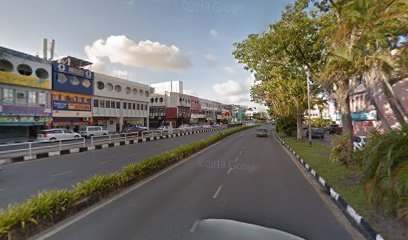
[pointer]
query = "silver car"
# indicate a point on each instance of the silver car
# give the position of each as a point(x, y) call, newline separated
point(56, 134)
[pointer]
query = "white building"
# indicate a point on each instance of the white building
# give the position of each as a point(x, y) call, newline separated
point(171, 86)
point(118, 103)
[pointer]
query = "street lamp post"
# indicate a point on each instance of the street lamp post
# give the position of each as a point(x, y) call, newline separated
point(308, 109)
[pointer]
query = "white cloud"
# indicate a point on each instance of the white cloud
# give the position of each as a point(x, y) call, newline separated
point(213, 33)
point(144, 54)
point(229, 70)
point(211, 60)
point(228, 88)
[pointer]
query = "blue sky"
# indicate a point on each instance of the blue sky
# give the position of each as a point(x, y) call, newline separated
point(147, 40)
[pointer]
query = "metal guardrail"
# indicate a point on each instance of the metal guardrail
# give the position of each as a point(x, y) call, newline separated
point(28, 146)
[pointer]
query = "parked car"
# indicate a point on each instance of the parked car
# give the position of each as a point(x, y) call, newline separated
point(166, 129)
point(91, 131)
point(134, 129)
point(185, 127)
point(334, 129)
point(316, 133)
point(261, 132)
point(206, 126)
point(57, 134)
point(359, 142)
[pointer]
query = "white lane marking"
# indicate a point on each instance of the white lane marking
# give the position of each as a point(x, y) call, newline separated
point(229, 171)
point(217, 192)
point(82, 215)
point(236, 159)
point(62, 173)
point(192, 229)
point(240, 152)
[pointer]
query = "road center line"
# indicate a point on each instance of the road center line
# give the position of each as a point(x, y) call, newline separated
point(217, 192)
point(192, 229)
point(229, 171)
point(62, 173)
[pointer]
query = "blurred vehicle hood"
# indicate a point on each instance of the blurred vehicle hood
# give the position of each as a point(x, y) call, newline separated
point(217, 229)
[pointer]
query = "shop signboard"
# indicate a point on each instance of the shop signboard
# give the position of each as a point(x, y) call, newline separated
point(79, 106)
point(364, 115)
point(12, 110)
point(22, 80)
point(59, 105)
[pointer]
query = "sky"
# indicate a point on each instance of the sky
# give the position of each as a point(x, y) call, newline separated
point(148, 41)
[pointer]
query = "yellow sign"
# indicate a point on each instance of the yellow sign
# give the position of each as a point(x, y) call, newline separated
point(79, 106)
point(17, 79)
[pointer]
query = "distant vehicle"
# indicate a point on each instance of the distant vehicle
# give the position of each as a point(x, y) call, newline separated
point(316, 133)
point(166, 129)
point(261, 132)
point(194, 126)
point(184, 127)
point(56, 134)
point(206, 126)
point(334, 129)
point(359, 142)
point(134, 129)
point(91, 131)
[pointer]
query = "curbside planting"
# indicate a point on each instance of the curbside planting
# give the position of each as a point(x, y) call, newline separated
point(96, 147)
point(356, 219)
point(21, 221)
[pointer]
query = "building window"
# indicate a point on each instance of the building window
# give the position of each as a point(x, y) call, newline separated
point(61, 78)
point(42, 99)
point(138, 106)
point(102, 103)
point(124, 105)
point(161, 99)
point(109, 86)
point(152, 100)
point(134, 91)
point(5, 66)
point(32, 97)
point(129, 105)
point(118, 88)
point(100, 85)
point(86, 82)
point(112, 104)
point(156, 99)
point(24, 69)
point(118, 105)
point(8, 95)
point(147, 93)
point(141, 92)
point(134, 106)
point(146, 107)
point(96, 103)
point(128, 90)
point(75, 80)
point(107, 104)
point(41, 73)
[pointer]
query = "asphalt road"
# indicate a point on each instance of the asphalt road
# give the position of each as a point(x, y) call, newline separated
point(18, 181)
point(242, 178)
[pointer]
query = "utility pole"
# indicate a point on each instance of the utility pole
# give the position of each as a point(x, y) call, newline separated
point(308, 109)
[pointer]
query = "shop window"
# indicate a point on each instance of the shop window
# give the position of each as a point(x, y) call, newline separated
point(41, 73)
point(118, 105)
point(24, 69)
point(96, 103)
point(124, 105)
point(31, 97)
point(100, 85)
point(61, 78)
point(5, 66)
point(128, 90)
point(75, 80)
point(109, 86)
point(146, 93)
point(134, 106)
point(42, 99)
point(138, 106)
point(86, 83)
point(129, 105)
point(102, 103)
point(118, 88)
point(8, 95)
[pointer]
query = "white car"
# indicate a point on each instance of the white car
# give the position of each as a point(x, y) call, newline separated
point(206, 126)
point(166, 129)
point(185, 127)
point(56, 134)
point(91, 131)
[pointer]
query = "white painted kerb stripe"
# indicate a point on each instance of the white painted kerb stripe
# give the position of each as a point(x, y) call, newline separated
point(353, 214)
point(192, 229)
point(379, 237)
point(217, 192)
point(334, 194)
point(321, 180)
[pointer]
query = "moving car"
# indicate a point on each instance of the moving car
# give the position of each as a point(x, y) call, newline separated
point(206, 126)
point(56, 134)
point(90, 131)
point(185, 127)
point(134, 129)
point(166, 129)
point(261, 132)
point(316, 133)
point(333, 129)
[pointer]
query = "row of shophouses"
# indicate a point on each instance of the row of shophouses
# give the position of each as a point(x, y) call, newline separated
point(36, 93)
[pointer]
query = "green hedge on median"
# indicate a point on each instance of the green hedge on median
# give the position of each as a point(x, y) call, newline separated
point(47, 207)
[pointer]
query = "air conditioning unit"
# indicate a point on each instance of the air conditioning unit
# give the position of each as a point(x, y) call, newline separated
point(20, 95)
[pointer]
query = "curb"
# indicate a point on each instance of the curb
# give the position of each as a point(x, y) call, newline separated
point(357, 219)
point(96, 147)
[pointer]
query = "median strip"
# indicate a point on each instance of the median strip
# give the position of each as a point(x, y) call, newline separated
point(21, 221)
